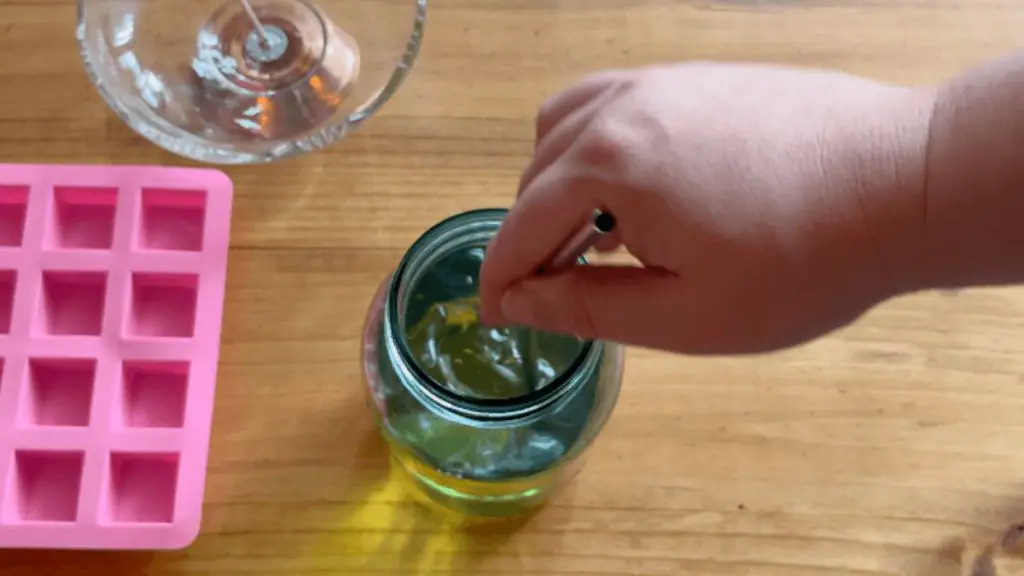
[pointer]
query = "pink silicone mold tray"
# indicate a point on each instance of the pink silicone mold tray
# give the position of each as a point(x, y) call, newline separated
point(111, 297)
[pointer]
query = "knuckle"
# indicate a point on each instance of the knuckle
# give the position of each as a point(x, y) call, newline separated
point(652, 131)
point(606, 144)
point(545, 111)
point(607, 77)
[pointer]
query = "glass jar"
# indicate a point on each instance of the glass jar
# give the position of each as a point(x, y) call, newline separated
point(494, 433)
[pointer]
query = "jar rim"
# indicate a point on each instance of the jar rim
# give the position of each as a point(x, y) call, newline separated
point(491, 409)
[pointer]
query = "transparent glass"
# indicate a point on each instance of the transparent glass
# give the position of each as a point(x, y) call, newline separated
point(489, 438)
point(229, 82)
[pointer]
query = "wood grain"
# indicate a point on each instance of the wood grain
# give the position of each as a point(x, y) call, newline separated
point(872, 452)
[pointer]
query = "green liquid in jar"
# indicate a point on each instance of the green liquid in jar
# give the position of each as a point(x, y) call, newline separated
point(478, 361)
point(484, 470)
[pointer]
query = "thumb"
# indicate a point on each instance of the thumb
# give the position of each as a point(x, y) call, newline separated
point(625, 304)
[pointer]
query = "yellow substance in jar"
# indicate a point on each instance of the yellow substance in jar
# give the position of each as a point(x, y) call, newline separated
point(477, 499)
point(460, 314)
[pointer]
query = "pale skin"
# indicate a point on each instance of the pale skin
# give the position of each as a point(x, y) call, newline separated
point(767, 206)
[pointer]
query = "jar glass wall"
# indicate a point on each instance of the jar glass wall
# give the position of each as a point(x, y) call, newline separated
point(486, 422)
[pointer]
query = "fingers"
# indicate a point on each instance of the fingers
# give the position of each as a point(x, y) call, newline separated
point(556, 108)
point(620, 303)
point(562, 136)
point(537, 226)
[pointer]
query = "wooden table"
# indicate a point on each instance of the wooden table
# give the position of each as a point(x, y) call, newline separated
point(869, 453)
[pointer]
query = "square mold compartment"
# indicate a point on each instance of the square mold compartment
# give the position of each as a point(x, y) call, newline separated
point(59, 392)
point(141, 488)
point(8, 282)
point(172, 220)
point(153, 394)
point(44, 487)
point(163, 305)
point(72, 303)
point(83, 218)
point(13, 208)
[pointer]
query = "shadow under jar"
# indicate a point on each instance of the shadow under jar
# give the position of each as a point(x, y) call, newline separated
point(485, 421)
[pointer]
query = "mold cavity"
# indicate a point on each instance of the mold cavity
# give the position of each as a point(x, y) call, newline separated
point(59, 392)
point(163, 305)
point(154, 394)
point(172, 220)
point(8, 281)
point(83, 218)
point(13, 207)
point(142, 488)
point(45, 486)
point(72, 303)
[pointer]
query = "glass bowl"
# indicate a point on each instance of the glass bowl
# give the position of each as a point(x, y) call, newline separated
point(233, 82)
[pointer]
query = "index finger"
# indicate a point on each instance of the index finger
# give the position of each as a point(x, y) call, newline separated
point(537, 226)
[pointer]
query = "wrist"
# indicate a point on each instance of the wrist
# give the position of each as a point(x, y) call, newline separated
point(890, 161)
point(975, 196)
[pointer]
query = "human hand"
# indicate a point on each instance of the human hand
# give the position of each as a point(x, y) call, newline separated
point(765, 205)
